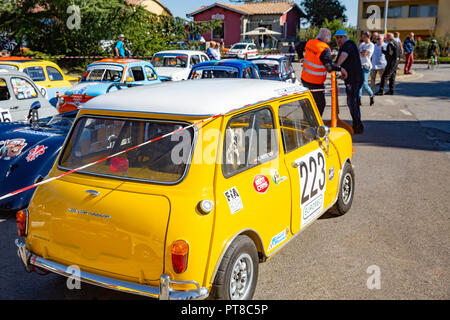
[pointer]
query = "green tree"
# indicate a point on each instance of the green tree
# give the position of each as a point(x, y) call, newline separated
point(44, 25)
point(319, 10)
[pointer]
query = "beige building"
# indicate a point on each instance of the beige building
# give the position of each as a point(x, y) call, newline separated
point(426, 18)
point(153, 6)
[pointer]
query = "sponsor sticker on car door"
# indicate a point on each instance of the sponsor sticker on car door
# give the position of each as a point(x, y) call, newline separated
point(312, 173)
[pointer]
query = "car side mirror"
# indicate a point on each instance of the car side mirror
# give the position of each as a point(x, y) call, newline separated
point(323, 132)
point(309, 133)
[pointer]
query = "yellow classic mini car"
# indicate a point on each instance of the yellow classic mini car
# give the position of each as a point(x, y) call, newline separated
point(180, 190)
point(44, 73)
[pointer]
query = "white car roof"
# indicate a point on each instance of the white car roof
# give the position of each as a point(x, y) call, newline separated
point(199, 98)
point(188, 52)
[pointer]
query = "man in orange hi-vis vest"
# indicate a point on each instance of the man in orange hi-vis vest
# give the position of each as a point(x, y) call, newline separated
point(317, 62)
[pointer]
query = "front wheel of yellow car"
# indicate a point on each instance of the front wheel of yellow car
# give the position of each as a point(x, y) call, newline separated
point(238, 272)
point(346, 190)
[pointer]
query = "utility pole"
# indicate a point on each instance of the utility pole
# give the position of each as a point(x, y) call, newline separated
point(386, 8)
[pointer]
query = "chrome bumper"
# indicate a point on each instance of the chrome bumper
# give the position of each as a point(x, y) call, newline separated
point(164, 292)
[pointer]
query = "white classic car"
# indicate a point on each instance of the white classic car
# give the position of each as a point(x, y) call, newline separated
point(177, 64)
point(242, 51)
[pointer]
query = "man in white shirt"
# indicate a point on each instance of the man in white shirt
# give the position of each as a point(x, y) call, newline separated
point(366, 49)
point(378, 61)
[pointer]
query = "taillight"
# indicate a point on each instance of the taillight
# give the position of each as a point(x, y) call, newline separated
point(21, 221)
point(180, 252)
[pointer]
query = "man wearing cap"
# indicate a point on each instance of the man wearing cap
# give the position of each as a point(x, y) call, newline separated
point(119, 49)
point(317, 61)
point(349, 58)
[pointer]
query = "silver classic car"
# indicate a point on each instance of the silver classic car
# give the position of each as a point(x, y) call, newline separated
point(17, 93)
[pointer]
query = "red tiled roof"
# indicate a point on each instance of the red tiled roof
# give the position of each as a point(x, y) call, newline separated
point(270, 7)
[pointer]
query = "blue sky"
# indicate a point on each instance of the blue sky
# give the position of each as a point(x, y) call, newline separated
point(181, 7)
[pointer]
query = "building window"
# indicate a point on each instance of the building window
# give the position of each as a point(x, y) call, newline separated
point(219, 32)
point(397, 12)
point(423, 11)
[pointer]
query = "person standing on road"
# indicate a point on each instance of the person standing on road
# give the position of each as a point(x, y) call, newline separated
point(119, 48)
point(349, 58)
point(408, 47)
point(378, 61)
point(291, 52)
point(432, 53)
point(366, 49)
point(374, 38)
point(317, 62)
point(392, 54)
point(211, 52)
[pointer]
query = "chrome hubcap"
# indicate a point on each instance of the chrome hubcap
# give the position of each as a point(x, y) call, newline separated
point(241, 277)
point(347, 188)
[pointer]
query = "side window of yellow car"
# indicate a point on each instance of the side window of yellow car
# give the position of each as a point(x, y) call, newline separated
point(35, 73)
point(298, 124)
point(54, 74)
point(250, 140)
point(23, 89)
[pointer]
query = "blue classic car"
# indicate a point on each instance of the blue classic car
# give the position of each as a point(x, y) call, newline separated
point(227, 68)
point(100, 75)
point(27, 153)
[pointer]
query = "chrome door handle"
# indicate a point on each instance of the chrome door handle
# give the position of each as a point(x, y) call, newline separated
point(93, 192)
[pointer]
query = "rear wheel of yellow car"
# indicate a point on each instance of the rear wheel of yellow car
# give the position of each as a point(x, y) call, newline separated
point(238, 272)
point(346, 191)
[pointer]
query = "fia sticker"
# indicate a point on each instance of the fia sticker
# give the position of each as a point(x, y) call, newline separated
point(36, 152)
point(276, 178)
point(261, 183)
point(234, 200)
point(11, 148)
point(279, 238)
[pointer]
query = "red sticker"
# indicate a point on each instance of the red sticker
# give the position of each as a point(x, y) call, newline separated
point(261, 183)
point(35, 152)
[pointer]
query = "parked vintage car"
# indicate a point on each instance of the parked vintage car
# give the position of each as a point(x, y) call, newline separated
point(242, 50)
point(227, 68)
point(221, 184)
point(275, 67)
point(46, 74)
point(17, 93)
point(177, 64)
point(27, 153)
point(100, 78)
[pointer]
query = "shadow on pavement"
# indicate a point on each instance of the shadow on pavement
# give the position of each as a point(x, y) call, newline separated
point(433, 89)
point(405, 134)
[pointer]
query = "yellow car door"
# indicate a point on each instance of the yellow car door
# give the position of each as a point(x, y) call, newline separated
point(254, 192)
point(307, 158)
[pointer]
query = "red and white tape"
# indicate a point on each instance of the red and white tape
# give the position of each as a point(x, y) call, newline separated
point(127, 150)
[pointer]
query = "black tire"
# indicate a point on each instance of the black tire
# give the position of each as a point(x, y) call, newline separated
point(346, 191)
point(242, 249)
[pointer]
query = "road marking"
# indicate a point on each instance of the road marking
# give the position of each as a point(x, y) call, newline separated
point(2, 220)
point(406, 112)
point(390, 101)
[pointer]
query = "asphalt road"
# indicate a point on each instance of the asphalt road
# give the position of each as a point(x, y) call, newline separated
point(399, 224)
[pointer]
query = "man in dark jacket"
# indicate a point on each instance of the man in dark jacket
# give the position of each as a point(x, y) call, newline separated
point(349, 59)
point(393, 55)
point(408, 47)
